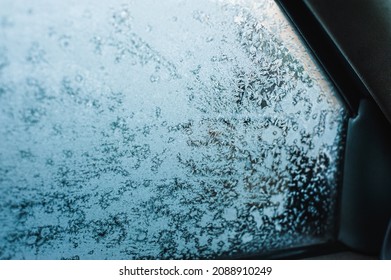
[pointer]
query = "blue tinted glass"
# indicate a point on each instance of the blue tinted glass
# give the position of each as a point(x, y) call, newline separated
point(162, 129)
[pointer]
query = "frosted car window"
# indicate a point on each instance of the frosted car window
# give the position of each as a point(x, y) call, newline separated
point(162, 129)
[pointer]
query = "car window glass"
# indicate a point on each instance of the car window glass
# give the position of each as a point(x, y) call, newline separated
point(162, 129)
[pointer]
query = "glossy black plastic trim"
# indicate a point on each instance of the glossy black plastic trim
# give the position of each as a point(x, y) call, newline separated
point(366, 190)
point(327, 53)
point(366, 194)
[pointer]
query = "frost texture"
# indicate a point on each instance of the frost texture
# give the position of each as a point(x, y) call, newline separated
point(161, 129)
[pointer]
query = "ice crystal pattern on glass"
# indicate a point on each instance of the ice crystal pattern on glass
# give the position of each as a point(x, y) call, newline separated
point(161, 129)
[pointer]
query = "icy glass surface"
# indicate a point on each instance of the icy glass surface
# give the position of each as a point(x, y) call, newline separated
point(161, 129)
